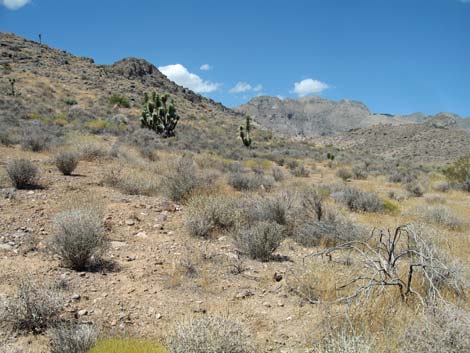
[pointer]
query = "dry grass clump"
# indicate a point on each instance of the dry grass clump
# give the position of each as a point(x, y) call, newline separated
point(210, 334)
point(445, 328)
point(66, 162)
point(343, 343)
point(434, 199)
point(440, 215)
point(35, 307)
point(80, 240)
point(91, 152)
point(260, 240)
point(135, 182)
point(359, 201)
point(209, 213)
point(72, 339)
point(402, 176)
point(23, 174)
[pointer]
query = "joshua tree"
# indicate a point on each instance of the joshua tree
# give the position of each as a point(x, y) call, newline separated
point(12, 84)
point(245, 133)
point(159, 116)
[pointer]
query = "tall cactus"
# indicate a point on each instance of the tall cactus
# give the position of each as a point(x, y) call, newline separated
point(159, 116)
point(245, 133)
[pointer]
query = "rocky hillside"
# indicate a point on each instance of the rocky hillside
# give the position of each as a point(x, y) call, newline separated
point(314, 116)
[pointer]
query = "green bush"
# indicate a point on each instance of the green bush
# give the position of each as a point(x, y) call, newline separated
point(117, 345)
point(118, 100)
point(459, 172)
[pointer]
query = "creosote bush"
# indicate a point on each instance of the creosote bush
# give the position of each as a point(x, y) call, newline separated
point(72, 339)
point(459, 173)
point(80, 240)
point(23, 174)
point(210, 334)
point(260, 240)
point(35, 308)
point(415, 189)
point(66, 162)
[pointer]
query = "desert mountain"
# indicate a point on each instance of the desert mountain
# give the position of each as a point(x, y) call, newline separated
point(314, 116)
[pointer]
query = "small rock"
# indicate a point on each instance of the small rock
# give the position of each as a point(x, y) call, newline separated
point(244, 294)
point(158, 316)
point(76, 297)
point(130, 221)
point(277, 277)
point(141, 234)
point(82, 312)
point(266, 304)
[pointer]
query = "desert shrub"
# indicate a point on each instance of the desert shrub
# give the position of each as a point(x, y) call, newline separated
point(459, 171)
point(292, 164)
point(390, 206)
point(278, 174)
point(72, 339)
point(35, 141)
point(23, 173)
point(445, 328)
point(208, 213)
point(66, 162)
point(35, 307)
point(343, 343)
point(250, 181)
point(136, 183)
point(280, 208)
point(260, 240)
point(402, 176)
point(358, 200)
point(441, 185)
point(344, 174)
point(149, 153)
point(434, 199)
point(415, 189)
point(441, 215)
point(6, 138)
point(91, 152)
point(118, 345)
point(210, 334)
point(359, 173)
point(118, 100)
point(331, 229)
point(80, 240)
point(301, 172)
point(183, 179)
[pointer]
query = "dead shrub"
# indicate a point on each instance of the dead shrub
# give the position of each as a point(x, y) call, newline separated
point(23, 174)
point(260, 240)
point(66, 162)
point(358, 200)
point(35, 307)
point(72, 339)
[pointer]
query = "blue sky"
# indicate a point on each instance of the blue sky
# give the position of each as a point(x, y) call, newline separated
point(397, 56)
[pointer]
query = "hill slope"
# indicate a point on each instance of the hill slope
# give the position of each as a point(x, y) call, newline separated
point(314, 116)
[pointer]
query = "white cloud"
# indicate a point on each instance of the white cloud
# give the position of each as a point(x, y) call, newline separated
point(14, 4)
point(309, 86)
point(179, 74)
point(205, 67)
point(241, 87)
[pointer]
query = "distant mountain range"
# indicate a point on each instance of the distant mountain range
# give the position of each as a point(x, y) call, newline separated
point(315, 116)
